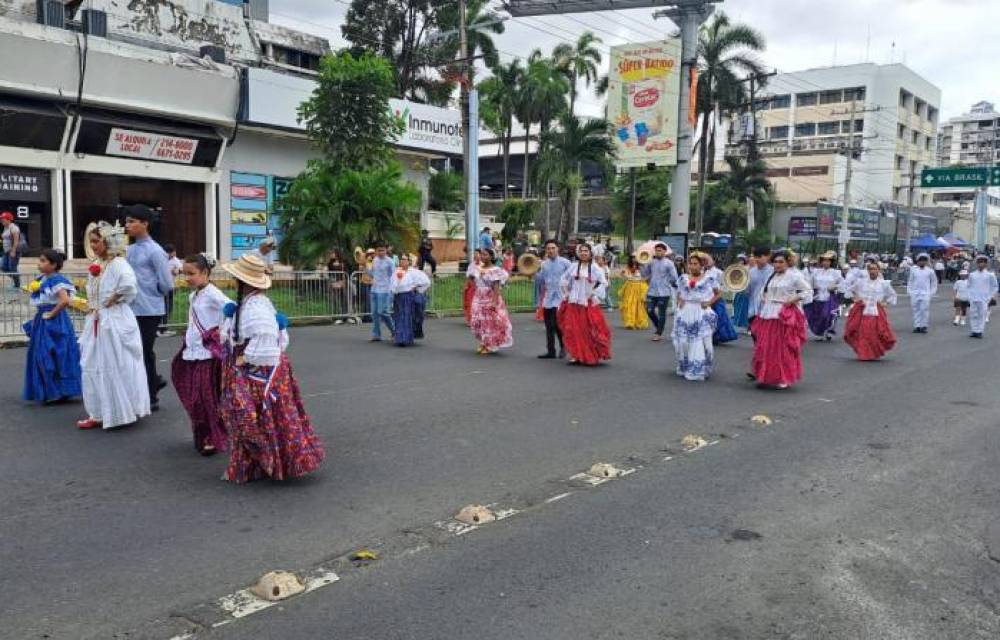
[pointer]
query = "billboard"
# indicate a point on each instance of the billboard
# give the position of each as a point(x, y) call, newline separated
point(254, 209)
point(800, 227)
point(643, 99)
point(863, 223)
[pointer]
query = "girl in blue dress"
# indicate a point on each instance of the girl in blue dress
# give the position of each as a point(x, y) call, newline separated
point(52, 371)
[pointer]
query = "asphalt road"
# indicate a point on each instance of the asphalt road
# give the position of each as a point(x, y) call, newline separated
point(867, 509)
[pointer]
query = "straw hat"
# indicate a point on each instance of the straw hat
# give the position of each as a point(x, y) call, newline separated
point(829, 255)
point(251, 270)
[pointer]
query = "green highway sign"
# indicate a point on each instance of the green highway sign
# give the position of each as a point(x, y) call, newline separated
point(960, 177)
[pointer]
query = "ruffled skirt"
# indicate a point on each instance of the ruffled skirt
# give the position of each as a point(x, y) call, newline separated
point(490, 321)
point(270, 434)
point(724, 329)
point(633, 305)
point(198, 384)
point(871, 337)
point(822, 316)
point(777, 354)
point(586, 334)
point(408, 317)
point(692, 338)
point(52, 369)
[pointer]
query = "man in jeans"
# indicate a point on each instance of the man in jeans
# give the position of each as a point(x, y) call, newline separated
point(661, 274)
point(152, 274)
point(381, 270)
point(11, 247)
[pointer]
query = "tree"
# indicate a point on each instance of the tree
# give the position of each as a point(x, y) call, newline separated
point(446, 192)
point(348, 117)
point(573, 142)
point(516, 215)
point(724, 50)
point(744, 182)
point(578, 61)
point(541, 98)
point(498, 108)
point(652, 202)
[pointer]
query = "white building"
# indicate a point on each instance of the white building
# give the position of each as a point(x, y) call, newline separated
point(188, 106)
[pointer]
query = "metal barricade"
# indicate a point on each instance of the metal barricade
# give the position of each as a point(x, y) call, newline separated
point(15, 304)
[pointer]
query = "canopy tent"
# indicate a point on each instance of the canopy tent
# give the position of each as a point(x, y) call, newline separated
point(955, 240)
point(927, 242)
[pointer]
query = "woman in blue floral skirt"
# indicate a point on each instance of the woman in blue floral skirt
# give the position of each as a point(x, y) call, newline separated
point(695, 322)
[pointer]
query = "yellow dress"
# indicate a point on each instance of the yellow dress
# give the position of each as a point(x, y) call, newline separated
point(633, 302)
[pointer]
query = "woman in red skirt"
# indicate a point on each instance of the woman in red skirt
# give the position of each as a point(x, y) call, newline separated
point(585, 331)
point(780, 327)
point(868, 330)
point(470, 287)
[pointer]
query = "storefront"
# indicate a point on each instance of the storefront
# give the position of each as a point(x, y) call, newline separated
point(27, 194)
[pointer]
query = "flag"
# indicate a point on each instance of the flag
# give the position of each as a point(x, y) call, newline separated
point(693, 98)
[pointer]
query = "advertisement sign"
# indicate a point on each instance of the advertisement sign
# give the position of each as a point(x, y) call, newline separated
point(801, 227)
point(254, 212)
point(643, 100)
point(24, 185)
point(429, 128)
point(862, 223)
point(151, 146)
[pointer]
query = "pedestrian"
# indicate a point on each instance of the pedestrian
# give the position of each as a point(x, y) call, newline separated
point(868, 330)
point(724, 329)
point(695, 321)
point(961, 298)
point(409, 285)
point(270, 433)
point(760, 272)
point(490, 321)
point(381, 269)
point(823, 311)
point(14, 244)
point(741, 301)
point(176, 266)
point(604, 294)
point(115, 389)
point(52, 368)
point(426, 252)
point(550, 275)
point(152, 272)
point(508, 260)
point(851, 273)
point(266, 252)
point(486, 239)
point(336, 271)
point(581, 320)
point(982, 291)
point(921, 287)
point(780, 327)
point(633, 297)
point(939, 269)
point(196, 371)
point(470, 287)
point(661, 276)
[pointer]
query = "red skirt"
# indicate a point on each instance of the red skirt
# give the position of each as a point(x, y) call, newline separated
point(585, 333)
point(467, 295)
point(777, 353)
point(198, 384)
point(871, 337)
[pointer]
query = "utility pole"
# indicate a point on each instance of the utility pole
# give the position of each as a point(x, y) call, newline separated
point(630, 237)
point(845, 216)
point(471, 189)
point(911, 192)
point(689, 16)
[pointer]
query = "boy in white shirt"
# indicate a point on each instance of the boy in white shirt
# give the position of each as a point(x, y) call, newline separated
point(982, 289)
point(961, 298)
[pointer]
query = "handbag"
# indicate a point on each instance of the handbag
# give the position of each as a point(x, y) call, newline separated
point(210, 339)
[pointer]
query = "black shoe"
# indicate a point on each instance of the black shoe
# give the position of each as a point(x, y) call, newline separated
point(161, 385)
point(977, 335)
point(562, 354)
point(547, 356)
point(154, 406)
point(917, 330)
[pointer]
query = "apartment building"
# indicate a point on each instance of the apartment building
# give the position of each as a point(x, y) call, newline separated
point(805, 130)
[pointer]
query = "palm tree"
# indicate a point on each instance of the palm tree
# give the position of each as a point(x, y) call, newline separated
point(541, 98)
point(573, 142)
point(745, 182)
point(578, 61)
point(498, 107)
point(724, 49)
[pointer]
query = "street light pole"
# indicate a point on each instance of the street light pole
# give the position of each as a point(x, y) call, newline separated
point(471, 189)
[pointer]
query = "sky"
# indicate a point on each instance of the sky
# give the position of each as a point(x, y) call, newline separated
point(952, 43)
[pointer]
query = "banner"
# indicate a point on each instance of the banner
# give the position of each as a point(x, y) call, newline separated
point(863, 223)
point(643, 102)
point(151, 146)
point(801, 227)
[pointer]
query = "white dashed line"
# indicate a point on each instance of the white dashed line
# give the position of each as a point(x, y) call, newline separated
point(558, 497)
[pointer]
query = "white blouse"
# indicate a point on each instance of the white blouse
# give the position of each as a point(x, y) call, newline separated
point(116, 277)
point(259, 332)
point(486, 278)
point(704, 289)
point(586, 288)
point(782, 288)
point(413, 280)
point(824, 281)
point(206, 305)
point(872, 292)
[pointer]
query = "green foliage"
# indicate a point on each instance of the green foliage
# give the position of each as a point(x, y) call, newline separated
point(329, 207)
point(578, 61)
point(540, 98)
point(498, 106)
point(517, 215)
point(652, 202)
point(446, 192)
point(759, 237)
point(348, 117)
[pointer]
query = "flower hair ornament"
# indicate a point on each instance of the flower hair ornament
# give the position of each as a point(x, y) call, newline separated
point(113, 236)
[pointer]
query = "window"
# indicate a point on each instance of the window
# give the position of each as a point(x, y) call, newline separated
point(777, 133)
point(857, 93)
point(899, 162)
point(781, 102)
point(805, 129)
point(778, 173)
point(811, 171)
point(807, 99)
point(859, 126)
point(901, 131)
point(916, 138)
point(295, 58)
point(828, 128)
point(831, 97)
point(927, 144)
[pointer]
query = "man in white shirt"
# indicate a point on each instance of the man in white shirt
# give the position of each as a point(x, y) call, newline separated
point(921, 287)
point(982, 288)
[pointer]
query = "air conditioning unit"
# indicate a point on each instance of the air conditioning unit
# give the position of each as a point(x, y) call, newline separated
point(94, 23)
point(51, 13)
point(217, 54)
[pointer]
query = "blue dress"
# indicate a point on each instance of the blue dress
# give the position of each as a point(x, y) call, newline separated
point(724, 329)
point(741, 309)
point(52, 370)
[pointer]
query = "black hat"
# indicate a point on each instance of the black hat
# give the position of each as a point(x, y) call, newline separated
point(139, 212)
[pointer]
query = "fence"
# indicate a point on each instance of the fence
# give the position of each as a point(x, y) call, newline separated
point(304, 296)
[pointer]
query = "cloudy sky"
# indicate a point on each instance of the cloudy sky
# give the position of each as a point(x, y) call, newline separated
point(952, 43)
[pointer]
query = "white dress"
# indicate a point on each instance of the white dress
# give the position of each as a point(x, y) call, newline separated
point(694, 327)
point(114, 376)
